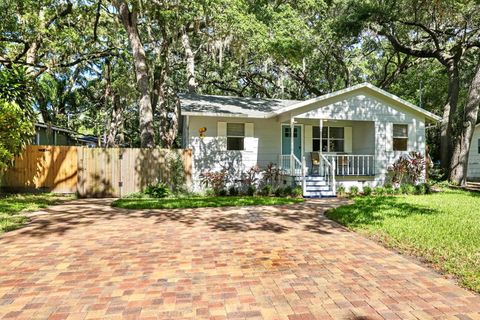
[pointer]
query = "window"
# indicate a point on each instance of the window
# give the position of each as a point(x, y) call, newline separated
point(400, 137)
point(333, 139)
point(235, 135)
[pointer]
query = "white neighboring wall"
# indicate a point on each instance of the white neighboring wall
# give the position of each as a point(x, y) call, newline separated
point(473, 172)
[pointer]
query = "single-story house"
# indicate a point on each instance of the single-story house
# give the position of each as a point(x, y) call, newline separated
point(348, 137)
point(56, 136)
point(473, 171)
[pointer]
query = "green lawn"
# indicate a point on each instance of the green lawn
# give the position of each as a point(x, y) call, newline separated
point(442, 228)
point(199, 202)
point(12, 206)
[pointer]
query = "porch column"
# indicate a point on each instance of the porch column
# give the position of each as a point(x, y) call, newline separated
point(292, 128)
point(292, 145)
point(321, 136)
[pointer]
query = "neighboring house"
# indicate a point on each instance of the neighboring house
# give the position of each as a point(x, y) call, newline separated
point(56, 136)
point(348, 137)
point(473, 172)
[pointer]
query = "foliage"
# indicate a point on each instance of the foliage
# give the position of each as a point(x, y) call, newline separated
point(279, 192)
point(407, 188)
point(216, 180)
point(423, 188)
point(251, 190)
point(297, 192)
point(353, 191)
point(200, 202)
point(250, 179)
point(16, 114)
point(177, 172)
point(271, 175)
point(411, 166)
point(367, 190)
point(233, 191)
point(441, 228)
point(380, 191)
point(12, 206)
point(287, 191)
point(341, 192)
point(159, 190)
point(267, 190)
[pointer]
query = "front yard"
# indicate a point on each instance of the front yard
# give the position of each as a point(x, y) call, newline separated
point(13, 206)
point(442, 228)
point(199, 202)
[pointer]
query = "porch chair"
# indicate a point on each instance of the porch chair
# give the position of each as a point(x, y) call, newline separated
point(315, 159)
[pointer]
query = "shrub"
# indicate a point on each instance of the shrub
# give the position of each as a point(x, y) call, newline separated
point(297, 192)
point(215, 180)
point(233, 191)
point(407, 188)
point(288, 191)
point(271, 175)
point(279, 192)
point(367, 191)
point(341, 191)
point(412, 165)
point(380, 191)
point(222, 193)
point(423, 188)
point(251, 190)
point(159, 190)
point(250, 178)
point(267, 190)
point(353, 191)
point(390, 190)
point(177, 172)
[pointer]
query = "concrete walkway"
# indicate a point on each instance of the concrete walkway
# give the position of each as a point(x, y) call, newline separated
point(85, 260)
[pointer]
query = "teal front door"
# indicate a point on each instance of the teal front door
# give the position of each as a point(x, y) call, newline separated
point(297, 140)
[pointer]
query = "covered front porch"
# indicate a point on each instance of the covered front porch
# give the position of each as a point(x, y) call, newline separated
point(318, 152)
point(348, 147)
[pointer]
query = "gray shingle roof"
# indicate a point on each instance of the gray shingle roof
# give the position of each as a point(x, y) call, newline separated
point(231, 106)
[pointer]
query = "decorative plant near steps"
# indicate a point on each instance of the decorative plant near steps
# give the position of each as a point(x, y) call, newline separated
point(272, 175)
point(408, 169)
point(217, 180)
point(250, 179)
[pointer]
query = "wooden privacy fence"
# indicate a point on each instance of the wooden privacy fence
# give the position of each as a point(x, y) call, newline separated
point(95, 172)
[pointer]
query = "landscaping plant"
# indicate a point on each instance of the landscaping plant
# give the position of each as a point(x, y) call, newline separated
point(159, 190)
point(216, 180)
point(353, 191)
point(367, 190)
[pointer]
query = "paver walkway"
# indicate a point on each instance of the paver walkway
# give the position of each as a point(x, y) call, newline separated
point(87, 260)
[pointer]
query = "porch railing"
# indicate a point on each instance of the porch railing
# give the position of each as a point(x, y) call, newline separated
point(353, 164)
point(327, 170)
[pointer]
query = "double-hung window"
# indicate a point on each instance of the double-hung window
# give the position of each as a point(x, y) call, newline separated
point(400, 137)
point(332, 140)
point(235, 136)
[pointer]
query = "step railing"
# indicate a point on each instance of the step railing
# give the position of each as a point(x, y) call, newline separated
point(292, 166)
point(327, 170)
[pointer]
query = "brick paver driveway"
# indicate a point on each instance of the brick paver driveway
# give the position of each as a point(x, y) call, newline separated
point(87, 260)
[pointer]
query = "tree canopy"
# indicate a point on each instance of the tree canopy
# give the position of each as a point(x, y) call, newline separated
point(114, 68)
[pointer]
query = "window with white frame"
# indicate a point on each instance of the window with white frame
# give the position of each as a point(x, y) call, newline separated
point(400, 137)
point(332, 139)
point(235, 136)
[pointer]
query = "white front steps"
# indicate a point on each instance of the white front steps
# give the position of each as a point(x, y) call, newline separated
point(316, 187)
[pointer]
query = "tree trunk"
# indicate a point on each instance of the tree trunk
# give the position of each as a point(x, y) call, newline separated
point(446, 125)
point(459, 161)
point(190, 57)
point(129, 21)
